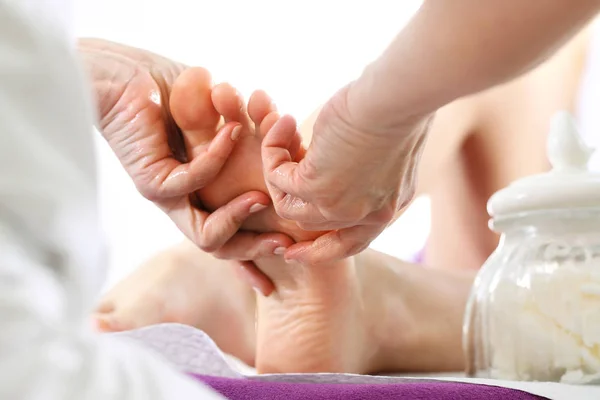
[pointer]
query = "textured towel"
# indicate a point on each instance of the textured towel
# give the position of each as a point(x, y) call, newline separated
point(248, 389)
point(193, 352)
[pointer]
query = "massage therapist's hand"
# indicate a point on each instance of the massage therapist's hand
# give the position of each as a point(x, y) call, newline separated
point(358, 171)
point(131, 86)
point(360, 166)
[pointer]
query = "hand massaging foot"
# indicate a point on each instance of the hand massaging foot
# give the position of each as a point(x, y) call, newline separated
point(312, 323)
point(197, 108)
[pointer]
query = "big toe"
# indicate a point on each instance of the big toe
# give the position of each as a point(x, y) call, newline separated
point(118, 313)
point(109, 322)
point(107, 319)
point(192, 107)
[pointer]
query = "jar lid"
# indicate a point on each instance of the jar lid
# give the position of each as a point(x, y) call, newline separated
point(570, 183)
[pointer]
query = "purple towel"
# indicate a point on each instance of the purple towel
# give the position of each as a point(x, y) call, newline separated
point(249, 389)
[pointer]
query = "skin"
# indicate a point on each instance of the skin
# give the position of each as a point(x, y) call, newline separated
point(371, 312)
point(464, 161)
point(301, 291)
point(131, 87)
point(382, 118)
point(412, 315)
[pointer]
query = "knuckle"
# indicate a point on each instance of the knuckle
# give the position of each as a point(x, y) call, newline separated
point(406, 197)
point(305, 226)
point(362, 247)
point(409, 197)
point(206, 245)
point(340, 214)
point(282, 209)
point(385, 215)
point(236, 220)
point(148, 192)
point(308, 171)
point(219, 255)
point(356, 248)
point(330, 200)
point(230, 224)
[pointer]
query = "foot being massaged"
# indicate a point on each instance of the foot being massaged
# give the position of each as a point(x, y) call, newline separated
point(289, 212)
point(331, 317)
point(368, 313)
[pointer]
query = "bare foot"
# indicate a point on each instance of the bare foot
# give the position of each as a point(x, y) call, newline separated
point(185, 285)
point(197, 108)
point(313, 322)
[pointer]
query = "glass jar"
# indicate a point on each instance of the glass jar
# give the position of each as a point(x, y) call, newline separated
point(534, 310)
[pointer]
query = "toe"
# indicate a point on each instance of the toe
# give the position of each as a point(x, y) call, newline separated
point(108, 322)
point(260, 106)
point(229, 103)
point(105, 307)
point(192, 107)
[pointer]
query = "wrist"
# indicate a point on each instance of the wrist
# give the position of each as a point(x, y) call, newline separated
point(377, 105)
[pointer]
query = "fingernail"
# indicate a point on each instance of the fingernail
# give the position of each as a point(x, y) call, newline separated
point(257, 207)
point(279, 251)
point(236, 132)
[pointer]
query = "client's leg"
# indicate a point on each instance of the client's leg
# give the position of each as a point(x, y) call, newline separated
point(505, 141)
point(413, 315)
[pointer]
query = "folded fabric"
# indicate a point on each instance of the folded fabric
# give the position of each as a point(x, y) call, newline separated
point(193, 352)
point(245, 389)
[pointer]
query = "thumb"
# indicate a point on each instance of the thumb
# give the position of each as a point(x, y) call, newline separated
point(277, 151)
point(286, 185)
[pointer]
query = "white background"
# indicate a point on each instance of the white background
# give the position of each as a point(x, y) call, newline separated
point(300, 52)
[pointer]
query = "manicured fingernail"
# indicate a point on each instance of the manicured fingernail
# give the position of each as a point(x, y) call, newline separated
point(257, 207)
point(236, 132)
point(279, 251)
